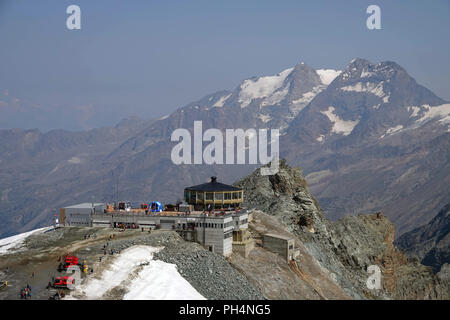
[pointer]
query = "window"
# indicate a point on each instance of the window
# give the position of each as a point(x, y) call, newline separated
point(218, 196)
point(194, 196)
point(227, 196)
point(209, 196)
point(236, 195)
point(200, 195)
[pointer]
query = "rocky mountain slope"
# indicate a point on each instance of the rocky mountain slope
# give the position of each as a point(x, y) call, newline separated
point(430, 243)
point(346, 247)
point(384, 137)
point(368, 137)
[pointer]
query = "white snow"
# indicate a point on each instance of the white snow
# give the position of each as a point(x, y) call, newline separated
point(441, 111)
point(366, 73)
point(164, 117)
point(74, 160)
point(340, 126)
point(328, 75)
point(276, 97)
point(262, 87)
point(141, 277)
point(14, 243)
point(299, 104)
point(415, 111)
point(392, 130)
point(219, 103)
point(264, 118)
point(374, 88)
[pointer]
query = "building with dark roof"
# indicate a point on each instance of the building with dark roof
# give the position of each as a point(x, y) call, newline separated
point(219, 195)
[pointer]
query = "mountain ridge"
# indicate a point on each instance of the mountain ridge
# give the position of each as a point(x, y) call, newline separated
point(383, 166)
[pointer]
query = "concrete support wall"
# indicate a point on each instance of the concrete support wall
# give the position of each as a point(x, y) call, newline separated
point(280, 245)
point(244, 248)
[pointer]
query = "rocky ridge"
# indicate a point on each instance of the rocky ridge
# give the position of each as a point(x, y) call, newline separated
point(346, 247)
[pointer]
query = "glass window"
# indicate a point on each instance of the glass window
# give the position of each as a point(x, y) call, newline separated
point(209, 196)
point(218, 196)
point(235, 195)
point(227, 196)
point(200, 195)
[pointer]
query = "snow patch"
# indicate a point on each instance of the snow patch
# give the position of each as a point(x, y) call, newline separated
point(275, 98)
point(415, 111)
point(14, 243)
point(219, 103)
point(164, 117)
point(298, 104)
point(442, 111)
point(366, 74)
point(142, 278)
point(262, 87)
point(392, 130)
point(74, 160)
point(374, 88)
point(264, 118)
point(340, 126)
point(328, 75)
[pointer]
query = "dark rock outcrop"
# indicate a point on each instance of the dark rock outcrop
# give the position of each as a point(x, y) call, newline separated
point(430, 243)
point(345, 248)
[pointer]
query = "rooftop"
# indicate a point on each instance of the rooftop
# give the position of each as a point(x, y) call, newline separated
point(211, 186)
point(272, 235)
point(86, 205)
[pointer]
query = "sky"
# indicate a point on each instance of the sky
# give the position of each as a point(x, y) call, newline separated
point(148, 58)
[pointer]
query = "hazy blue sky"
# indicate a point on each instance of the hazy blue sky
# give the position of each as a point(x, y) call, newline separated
point(148, 58)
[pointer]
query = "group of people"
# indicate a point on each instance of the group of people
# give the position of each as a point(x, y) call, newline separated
point(25, 293)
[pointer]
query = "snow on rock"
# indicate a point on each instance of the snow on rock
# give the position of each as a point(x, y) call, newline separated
point(366, 74)
point(276, 97)
point(262, 87)
point(14, 243)
point(415, 111)
point(328, 75)
point(164, 117)
point(392, 130)
point(431, 112)
point(141, 277)
point(264, 118)
point(340, 126)
point(374, 88)
point(298, 105)
point(320, 138)
point(74, 160)
point(219, 103)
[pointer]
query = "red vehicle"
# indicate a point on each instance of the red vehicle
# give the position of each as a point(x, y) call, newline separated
point(68, 261)
point(63, 282)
